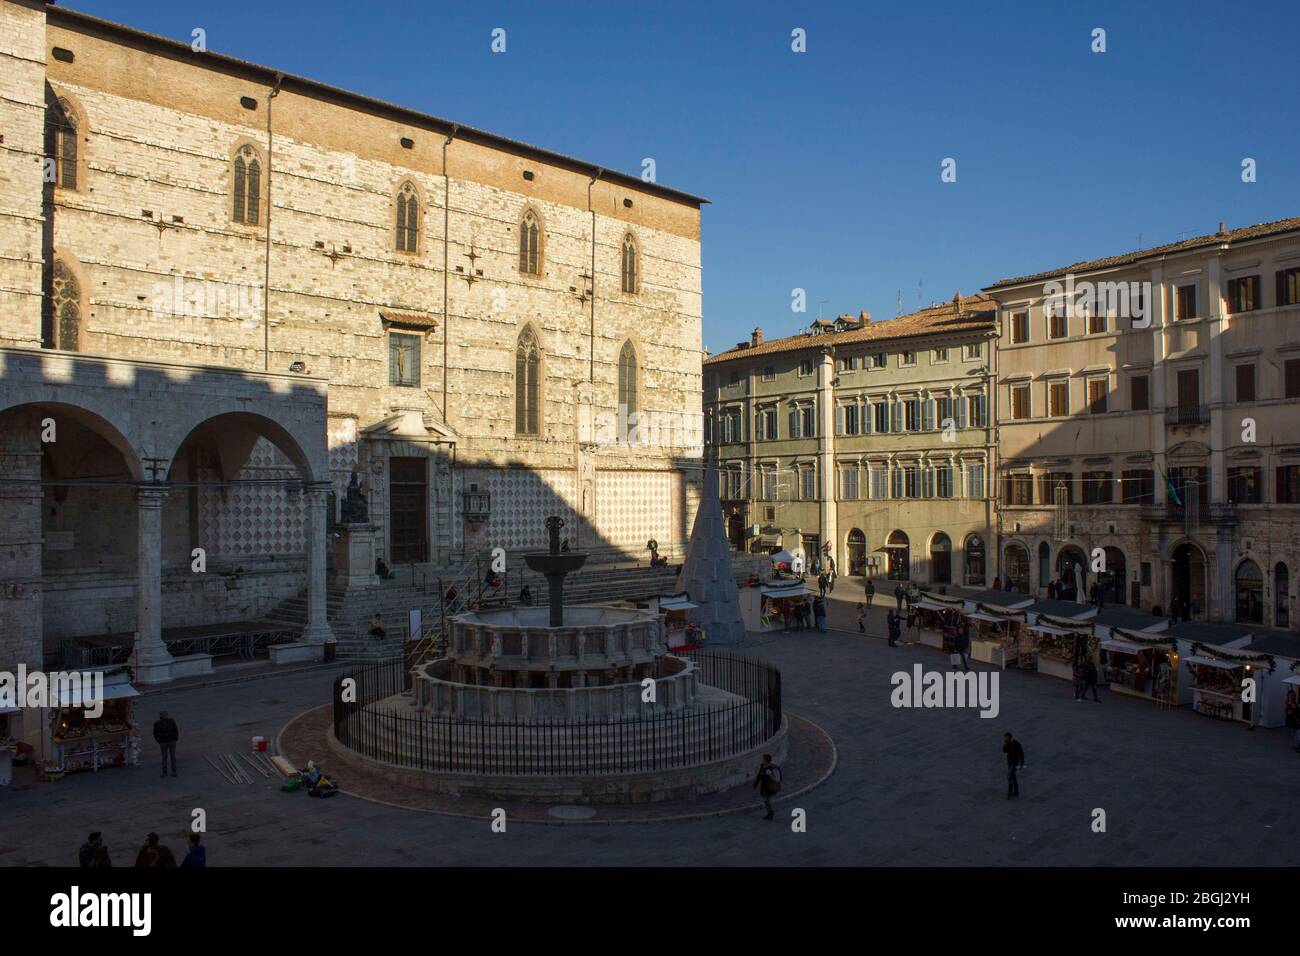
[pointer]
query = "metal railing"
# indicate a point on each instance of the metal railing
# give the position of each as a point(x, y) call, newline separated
point(1187, 415)
point(557, 748)
point(248, 645)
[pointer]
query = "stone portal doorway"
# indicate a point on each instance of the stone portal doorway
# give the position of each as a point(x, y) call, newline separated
point(408, 495)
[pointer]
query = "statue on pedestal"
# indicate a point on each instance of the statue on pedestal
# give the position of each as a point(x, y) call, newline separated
point(354, 509)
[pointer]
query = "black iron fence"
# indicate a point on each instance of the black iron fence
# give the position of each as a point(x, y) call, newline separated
point(363, 723)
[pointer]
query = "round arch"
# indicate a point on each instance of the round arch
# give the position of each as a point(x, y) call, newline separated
point(940, 558)
point(1281, 595)
point(1015, 566)
point(1248, 582)
point(1189, 579)
point(233, 435)
point(975, 560)
point(900, 555)
point(55, 412)
point(855, 545)
point(1072, 573)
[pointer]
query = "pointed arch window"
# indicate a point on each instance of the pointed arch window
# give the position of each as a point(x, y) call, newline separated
point(66, 299)
point(630, 264)
point(408, 219)
point(61, 142)
point(247, 173)
point(530, 244)
point(528, 390)
point(627, 406)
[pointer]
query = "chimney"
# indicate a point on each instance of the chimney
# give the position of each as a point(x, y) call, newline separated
point(956, 303)
point(1221, 229)
point(864, 317)
point(757, 337)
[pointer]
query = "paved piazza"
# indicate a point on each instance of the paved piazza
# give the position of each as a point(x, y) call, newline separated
point(912, 787)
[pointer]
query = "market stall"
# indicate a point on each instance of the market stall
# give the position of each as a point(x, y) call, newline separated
point(939, 618)
point(682, 635)
point(80, 741)
point(1218, 676)
point(1062, 645)
point(1144, 664)
point(10, 734)
point(1282, 683)
point(770, 605)
point(998, 618)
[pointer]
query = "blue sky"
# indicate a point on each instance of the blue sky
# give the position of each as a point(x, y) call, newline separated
point(824, 167)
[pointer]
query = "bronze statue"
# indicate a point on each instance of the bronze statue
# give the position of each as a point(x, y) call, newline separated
point(354, 509)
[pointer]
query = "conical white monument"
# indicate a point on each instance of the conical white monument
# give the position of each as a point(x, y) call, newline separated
point(707, 574)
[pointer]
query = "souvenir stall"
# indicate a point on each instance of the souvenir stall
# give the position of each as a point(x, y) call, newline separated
point(770, 605)
point(1062, 644)
point(10, 734)
point(996, 627)
point(681, 634)
point(1283, 682)
point(1291, 687)
point(1217, 675)
point(80, 741)
point(1144, 664)
point(791, 562)
point(939, 618)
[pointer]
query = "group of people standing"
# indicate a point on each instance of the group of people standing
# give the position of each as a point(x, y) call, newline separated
point(803, 615)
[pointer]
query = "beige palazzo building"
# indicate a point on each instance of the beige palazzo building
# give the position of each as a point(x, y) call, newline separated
point(225, 290)
point(872, 438)
point(1148, 432)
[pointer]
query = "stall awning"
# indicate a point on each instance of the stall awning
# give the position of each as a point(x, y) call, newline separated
point(677, 604)
point(1048, 629)
point(793, 591)
point(10, 710)
point(113, 691)
point(1211, 662)
point(1124, 647)
point(981, 616)
point(1292, 680)
point(932, 606)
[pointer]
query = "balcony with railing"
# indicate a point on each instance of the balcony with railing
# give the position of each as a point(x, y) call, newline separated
point(1187, 415)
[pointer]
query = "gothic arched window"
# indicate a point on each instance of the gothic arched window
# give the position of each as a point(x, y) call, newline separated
point(627, 379)
point(530, 244)
point(66, 298)
point(247, 173)
point(61, 142)
point(629, 264)
point(528, 389)
point(408, 219)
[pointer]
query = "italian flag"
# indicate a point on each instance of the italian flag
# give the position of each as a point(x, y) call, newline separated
point(1170, 489)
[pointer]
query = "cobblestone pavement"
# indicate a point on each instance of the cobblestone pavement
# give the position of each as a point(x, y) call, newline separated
point(913, 786)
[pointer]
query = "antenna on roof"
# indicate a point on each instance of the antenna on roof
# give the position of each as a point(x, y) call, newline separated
point(900, 301)
point(920, 284)
point(819, 308)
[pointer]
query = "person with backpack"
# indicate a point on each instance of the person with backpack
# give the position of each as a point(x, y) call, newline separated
point(768, 783)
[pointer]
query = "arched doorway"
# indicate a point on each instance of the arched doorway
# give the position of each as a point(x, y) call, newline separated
point(974, 559)
point(1112, 579)
point(1016, 564)
point(1281, 602)
point(857, 548)
point(1072, 573)
point(736, 530)
point(1044, 564)
point(900, 556)
point(940, 558)
point(1188, 579)
point(1250, 593)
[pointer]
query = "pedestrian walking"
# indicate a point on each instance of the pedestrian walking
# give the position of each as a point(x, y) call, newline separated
point(768, 783)
point(899, 594)
point(1015, 760)
point(862, 619)
point(166, 733)
point(894, 625)
point(821, 584)
point(1051, 590)
point(961, 645)
point(819, 614)
point(197, 856)
point(871, 591)
point(833, 573)
point(87, 852)
point(1089, 681)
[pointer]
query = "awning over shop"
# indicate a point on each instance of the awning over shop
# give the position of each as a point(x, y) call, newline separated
point(932, 606)
point(1211, 662)
point(113, 691)
point(1048, 629)
point(1292, 680)
point(676, 604)
point(794, 590)
point(1124, 647)
point(981, 616)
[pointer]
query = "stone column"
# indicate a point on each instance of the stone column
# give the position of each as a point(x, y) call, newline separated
point(150, 658)
point(317, 630)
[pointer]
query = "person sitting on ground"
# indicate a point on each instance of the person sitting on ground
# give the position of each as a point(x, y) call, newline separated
point(382, 569)
point(377, 628)
point(317, 784)
point(492, 580)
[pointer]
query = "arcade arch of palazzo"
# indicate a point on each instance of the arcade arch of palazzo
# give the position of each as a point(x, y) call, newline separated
point(111, 473)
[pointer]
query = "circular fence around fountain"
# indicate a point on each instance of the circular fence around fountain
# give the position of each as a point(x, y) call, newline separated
point(630, 753)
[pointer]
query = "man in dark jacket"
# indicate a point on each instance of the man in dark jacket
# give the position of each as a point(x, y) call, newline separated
point(961, 644)
point(93, 843)
point(895, 625)
point(899, 594)
point(1015, 760)
point(768, 782)
point(166, 733)
point(198, 853)
point(1089, 681)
